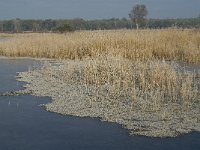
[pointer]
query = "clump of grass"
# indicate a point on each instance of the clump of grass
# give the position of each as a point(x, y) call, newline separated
point(146, 86)
point(152, 98)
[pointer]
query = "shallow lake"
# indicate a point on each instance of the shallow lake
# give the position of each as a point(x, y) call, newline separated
point(24, 125)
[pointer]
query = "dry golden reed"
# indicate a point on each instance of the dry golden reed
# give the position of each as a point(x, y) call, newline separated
point(168, 44)
point(147, 86)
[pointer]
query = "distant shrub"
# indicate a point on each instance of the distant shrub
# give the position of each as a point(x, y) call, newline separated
point(64, 28)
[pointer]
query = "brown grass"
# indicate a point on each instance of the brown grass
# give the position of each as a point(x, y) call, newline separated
point(147, 86)
point(169, 44)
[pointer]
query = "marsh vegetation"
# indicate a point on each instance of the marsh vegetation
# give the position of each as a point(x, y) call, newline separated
point(131, 77)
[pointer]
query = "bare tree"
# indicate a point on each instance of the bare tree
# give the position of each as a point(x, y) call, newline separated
point(138, 14)
point(17, 24)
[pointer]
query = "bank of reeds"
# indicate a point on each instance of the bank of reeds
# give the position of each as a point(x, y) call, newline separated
point(152, 98)
point(146, 86)
point(169, 44)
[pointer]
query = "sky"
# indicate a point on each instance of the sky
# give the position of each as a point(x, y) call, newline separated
point(95, 9)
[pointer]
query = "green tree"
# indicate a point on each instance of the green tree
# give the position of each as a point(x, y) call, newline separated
point(65, 28)
point(1, 26)
point(138, 14)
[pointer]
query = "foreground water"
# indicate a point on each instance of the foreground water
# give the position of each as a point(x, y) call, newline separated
point(24, 125)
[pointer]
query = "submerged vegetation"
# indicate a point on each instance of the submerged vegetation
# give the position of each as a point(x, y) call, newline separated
point(132, 77)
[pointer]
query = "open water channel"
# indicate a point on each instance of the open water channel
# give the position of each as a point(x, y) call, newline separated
point(24, 125)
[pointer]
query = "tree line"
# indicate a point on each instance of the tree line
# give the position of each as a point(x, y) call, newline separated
point(137, 19)
point(51, 25)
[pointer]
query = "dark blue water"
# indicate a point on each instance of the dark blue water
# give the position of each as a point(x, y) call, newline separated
point(24, 125)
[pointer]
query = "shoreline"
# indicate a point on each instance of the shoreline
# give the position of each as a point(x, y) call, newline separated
point(75, 100)
point(29, 58)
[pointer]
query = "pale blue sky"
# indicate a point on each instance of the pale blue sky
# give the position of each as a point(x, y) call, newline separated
point(95, 9)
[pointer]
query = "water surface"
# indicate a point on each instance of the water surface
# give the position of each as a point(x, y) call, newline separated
point(24, 125)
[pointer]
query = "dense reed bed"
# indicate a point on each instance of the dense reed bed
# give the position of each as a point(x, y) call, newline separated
point(169, 44)
point(147, 85)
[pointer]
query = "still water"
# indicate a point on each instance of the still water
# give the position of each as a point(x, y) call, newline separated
point(24, 125)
